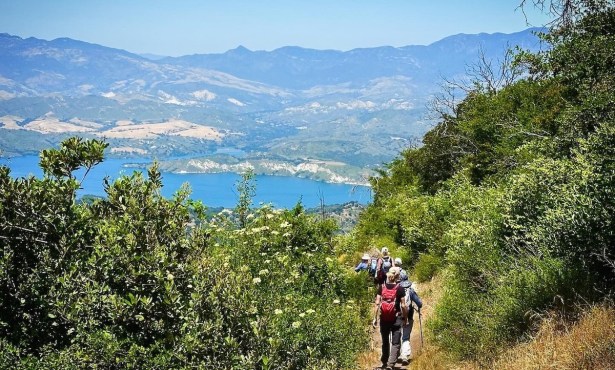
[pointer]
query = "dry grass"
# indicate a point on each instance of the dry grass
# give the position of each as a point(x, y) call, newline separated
point(588, 344)
point(129, 130)
point(10, 122)
point(48, 125)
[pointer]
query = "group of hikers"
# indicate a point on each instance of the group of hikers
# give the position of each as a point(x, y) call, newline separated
point(396, 301)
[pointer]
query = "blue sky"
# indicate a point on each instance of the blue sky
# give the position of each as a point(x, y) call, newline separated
point(179, 27)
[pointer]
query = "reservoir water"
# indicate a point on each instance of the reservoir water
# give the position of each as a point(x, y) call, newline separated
point(214, 190)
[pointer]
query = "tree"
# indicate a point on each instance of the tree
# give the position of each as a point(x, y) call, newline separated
point(246, 189)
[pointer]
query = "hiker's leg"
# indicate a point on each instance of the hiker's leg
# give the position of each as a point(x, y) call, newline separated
point(404, 356)
point(405, 342)
point(395, 342)
point(406, 330)
point(385, 330)
point(410, 326)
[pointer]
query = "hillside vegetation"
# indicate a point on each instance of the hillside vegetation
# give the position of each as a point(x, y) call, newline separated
point(138, 281)
point(509, 201)
point(510, 197)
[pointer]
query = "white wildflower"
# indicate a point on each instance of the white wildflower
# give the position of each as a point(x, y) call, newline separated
point(256, 280)
point(278, 311)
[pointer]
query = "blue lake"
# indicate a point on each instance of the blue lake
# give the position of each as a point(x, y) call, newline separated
point(213, 190)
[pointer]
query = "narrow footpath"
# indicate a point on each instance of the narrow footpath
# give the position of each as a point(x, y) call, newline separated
point(371, 359)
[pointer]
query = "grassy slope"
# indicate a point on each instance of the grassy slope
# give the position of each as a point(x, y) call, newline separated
point(558, 344)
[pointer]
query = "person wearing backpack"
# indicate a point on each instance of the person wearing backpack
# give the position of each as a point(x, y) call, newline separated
point(410, 297)
point(384, 265)
point(390, 308)
point(364, 264)
point(373, 265)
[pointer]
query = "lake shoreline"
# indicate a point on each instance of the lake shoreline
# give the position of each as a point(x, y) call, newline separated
point(213, 189)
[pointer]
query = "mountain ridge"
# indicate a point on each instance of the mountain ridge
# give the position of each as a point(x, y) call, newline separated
point(291, 105)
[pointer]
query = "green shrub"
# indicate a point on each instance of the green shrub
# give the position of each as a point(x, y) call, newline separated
point(133, 281)
point(512, 191)
point(426, 267)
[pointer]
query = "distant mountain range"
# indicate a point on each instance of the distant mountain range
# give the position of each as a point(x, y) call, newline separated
point(356, 108)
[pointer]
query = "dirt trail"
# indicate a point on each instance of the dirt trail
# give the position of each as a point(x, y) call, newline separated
point(371, 359)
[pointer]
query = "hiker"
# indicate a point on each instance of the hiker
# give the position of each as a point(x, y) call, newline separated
point(373, 265)
point(384, 264)
point(364, 264)
point(410, 297)
point(390, 308)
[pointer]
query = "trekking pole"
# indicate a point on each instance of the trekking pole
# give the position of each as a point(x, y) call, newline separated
point(421, 327)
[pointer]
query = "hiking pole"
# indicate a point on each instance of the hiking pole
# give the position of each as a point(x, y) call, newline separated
point(421, 327)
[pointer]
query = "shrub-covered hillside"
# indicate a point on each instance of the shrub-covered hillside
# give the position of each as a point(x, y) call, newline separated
point(511, 197)
point(138, 281)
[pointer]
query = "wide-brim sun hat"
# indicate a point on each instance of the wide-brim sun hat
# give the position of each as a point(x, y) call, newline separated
point(365, 256)
point(385, 250)
point(398, 261)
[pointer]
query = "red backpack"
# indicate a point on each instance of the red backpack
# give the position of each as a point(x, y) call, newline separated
point(387, 304)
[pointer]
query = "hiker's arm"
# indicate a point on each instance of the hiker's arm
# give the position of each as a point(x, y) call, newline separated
point(415, 298)
point(376, 308)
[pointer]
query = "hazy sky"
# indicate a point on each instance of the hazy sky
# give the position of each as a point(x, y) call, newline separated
point(179, 27)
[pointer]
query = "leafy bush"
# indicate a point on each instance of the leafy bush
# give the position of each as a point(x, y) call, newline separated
point(136, 280)
point(512, 192)
point(427, 266)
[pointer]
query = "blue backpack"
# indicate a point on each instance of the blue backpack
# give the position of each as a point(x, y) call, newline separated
point(387, 262)
point(373, 264)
